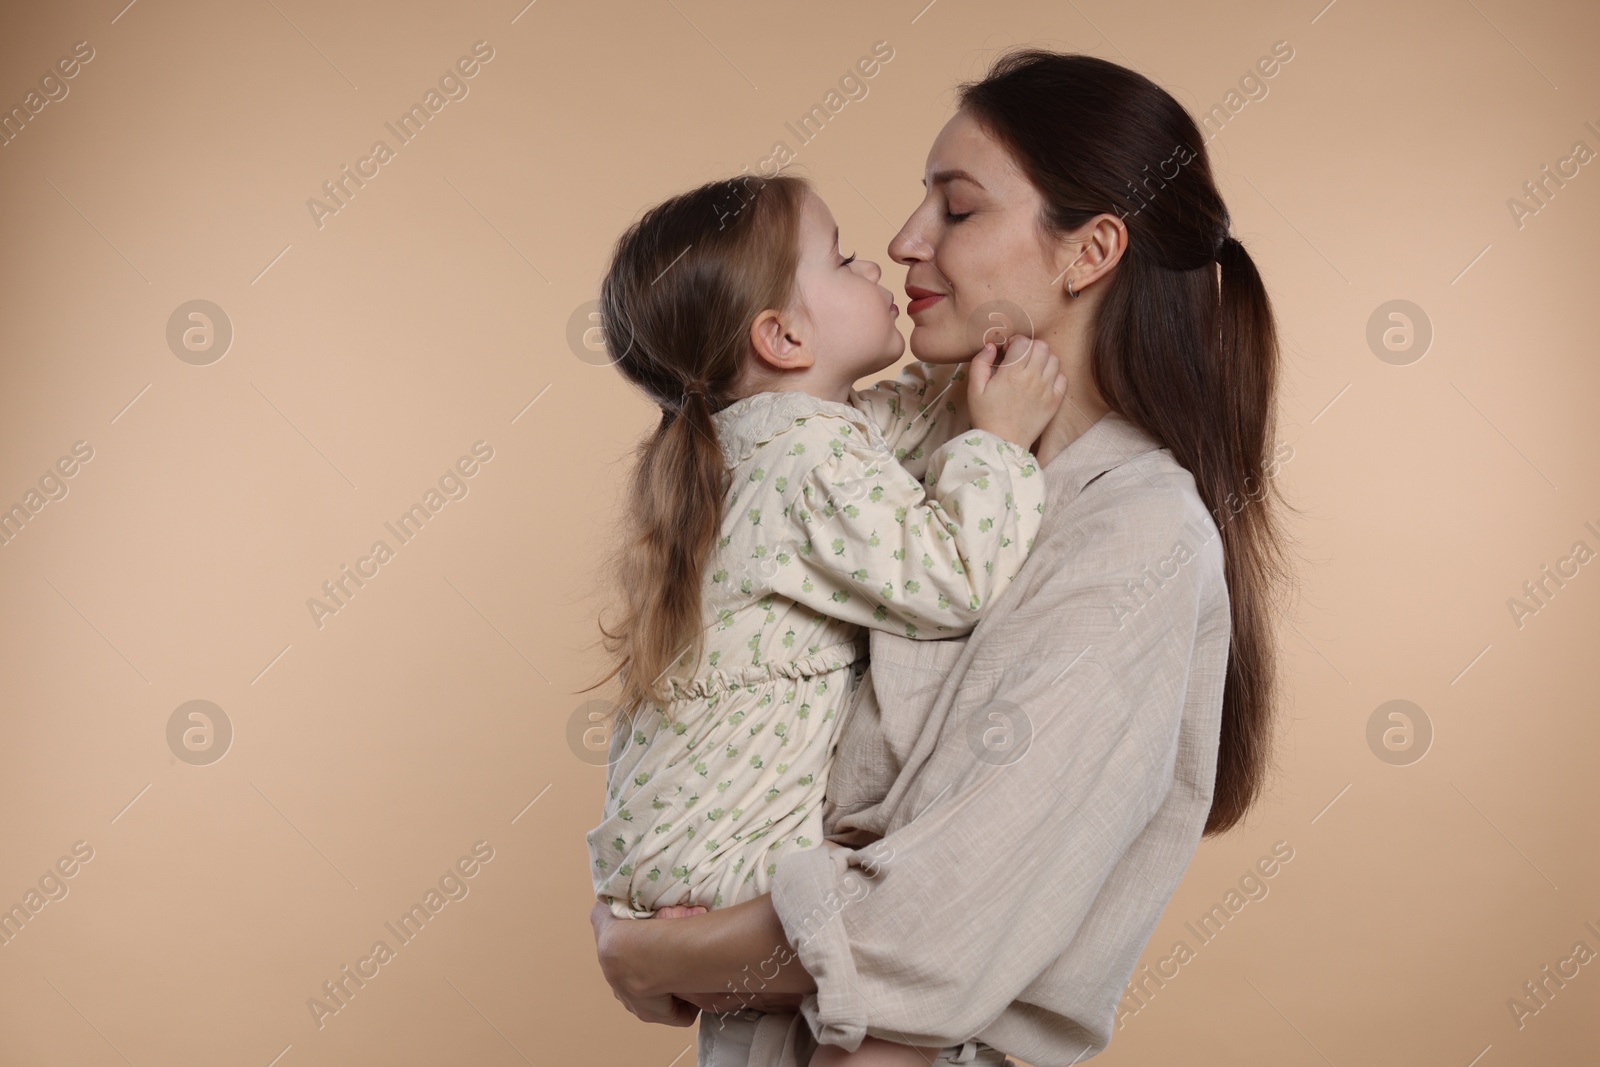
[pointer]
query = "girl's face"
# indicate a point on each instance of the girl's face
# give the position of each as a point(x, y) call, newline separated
point(979, 268)
point(848, 318)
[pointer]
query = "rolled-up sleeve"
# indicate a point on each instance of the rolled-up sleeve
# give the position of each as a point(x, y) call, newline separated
point(927, 935)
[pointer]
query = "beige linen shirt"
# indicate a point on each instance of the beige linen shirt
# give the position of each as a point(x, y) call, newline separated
point(1021, 803)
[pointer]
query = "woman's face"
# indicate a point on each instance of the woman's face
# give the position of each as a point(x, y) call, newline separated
point(980, 269)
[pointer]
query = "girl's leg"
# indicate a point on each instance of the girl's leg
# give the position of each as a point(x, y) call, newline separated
point(874, 1052)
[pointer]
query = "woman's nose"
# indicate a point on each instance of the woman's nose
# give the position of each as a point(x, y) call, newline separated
point(909, 245)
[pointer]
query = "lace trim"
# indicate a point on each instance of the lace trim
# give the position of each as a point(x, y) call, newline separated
point(754, 420)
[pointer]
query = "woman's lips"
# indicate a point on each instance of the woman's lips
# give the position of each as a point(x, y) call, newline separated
point(921, 298)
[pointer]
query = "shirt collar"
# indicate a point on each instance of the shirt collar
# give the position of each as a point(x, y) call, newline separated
point(752, 420)
point(1112, 441)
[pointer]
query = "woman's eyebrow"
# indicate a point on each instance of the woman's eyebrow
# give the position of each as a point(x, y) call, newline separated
point(942, 177)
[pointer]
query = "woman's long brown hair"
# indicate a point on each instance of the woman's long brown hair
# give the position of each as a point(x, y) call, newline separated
point(685, 284)
point(1184, 344)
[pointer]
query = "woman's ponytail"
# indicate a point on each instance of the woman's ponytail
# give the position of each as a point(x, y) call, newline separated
point(1245, 499)
point(1184, 343)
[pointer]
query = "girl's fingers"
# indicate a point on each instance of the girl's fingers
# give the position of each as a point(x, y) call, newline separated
point(1018, 349)
point(982, 367)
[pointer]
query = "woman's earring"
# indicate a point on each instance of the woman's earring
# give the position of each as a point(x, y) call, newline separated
point(1074, 263)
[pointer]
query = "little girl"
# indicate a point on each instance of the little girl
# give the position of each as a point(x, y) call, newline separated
point(775, 514)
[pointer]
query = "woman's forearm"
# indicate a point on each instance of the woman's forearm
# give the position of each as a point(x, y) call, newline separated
point(738, 949)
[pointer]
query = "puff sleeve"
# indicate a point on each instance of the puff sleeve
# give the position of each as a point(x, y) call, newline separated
point(925, 406)
point(881, 550)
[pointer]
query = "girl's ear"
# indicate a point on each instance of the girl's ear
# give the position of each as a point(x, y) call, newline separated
point(775, 345)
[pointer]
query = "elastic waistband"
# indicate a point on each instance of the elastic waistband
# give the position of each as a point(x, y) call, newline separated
point(723, 679)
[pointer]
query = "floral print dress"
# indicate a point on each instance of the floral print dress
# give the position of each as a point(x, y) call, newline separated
point(888, 511)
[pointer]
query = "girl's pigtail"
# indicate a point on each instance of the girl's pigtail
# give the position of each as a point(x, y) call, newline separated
point(685, 285)
point(678, 486)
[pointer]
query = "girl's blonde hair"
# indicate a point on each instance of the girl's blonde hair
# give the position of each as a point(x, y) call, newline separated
point(685, 285)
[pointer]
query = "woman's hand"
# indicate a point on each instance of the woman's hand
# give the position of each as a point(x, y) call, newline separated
point(663, 971)
point(717, 1003)
point(611, 938)
point(723, 1002)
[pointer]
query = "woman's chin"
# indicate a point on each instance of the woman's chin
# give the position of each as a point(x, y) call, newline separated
point(939, 346)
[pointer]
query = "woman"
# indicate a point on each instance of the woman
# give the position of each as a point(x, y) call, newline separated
point(1009, 813)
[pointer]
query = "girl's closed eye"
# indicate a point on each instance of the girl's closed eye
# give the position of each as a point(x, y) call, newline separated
point(851, 258)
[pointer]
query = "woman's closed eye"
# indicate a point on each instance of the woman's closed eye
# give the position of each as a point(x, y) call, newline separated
point(951, 216)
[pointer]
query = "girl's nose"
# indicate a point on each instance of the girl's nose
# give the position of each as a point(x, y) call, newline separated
point(870, 269)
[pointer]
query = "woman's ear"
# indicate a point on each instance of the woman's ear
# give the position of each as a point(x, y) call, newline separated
point(1096, 249)
point(775, 345)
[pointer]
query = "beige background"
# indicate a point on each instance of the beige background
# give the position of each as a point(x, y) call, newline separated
point(432, 312)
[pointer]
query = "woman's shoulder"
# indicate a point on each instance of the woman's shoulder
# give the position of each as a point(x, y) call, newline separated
point(1122, 502)
point(1148, 496)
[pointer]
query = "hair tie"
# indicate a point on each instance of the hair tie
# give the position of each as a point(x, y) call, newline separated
point(1224, 237)
point(700, 389)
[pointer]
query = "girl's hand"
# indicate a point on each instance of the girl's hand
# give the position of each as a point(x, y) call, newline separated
point(612, 946)
point(1016, 397)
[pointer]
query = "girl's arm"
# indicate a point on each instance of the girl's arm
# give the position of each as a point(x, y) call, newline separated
point(881, 550)
point(922, 408)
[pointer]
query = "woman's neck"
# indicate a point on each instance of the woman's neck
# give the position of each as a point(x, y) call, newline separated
point(1083, 406)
